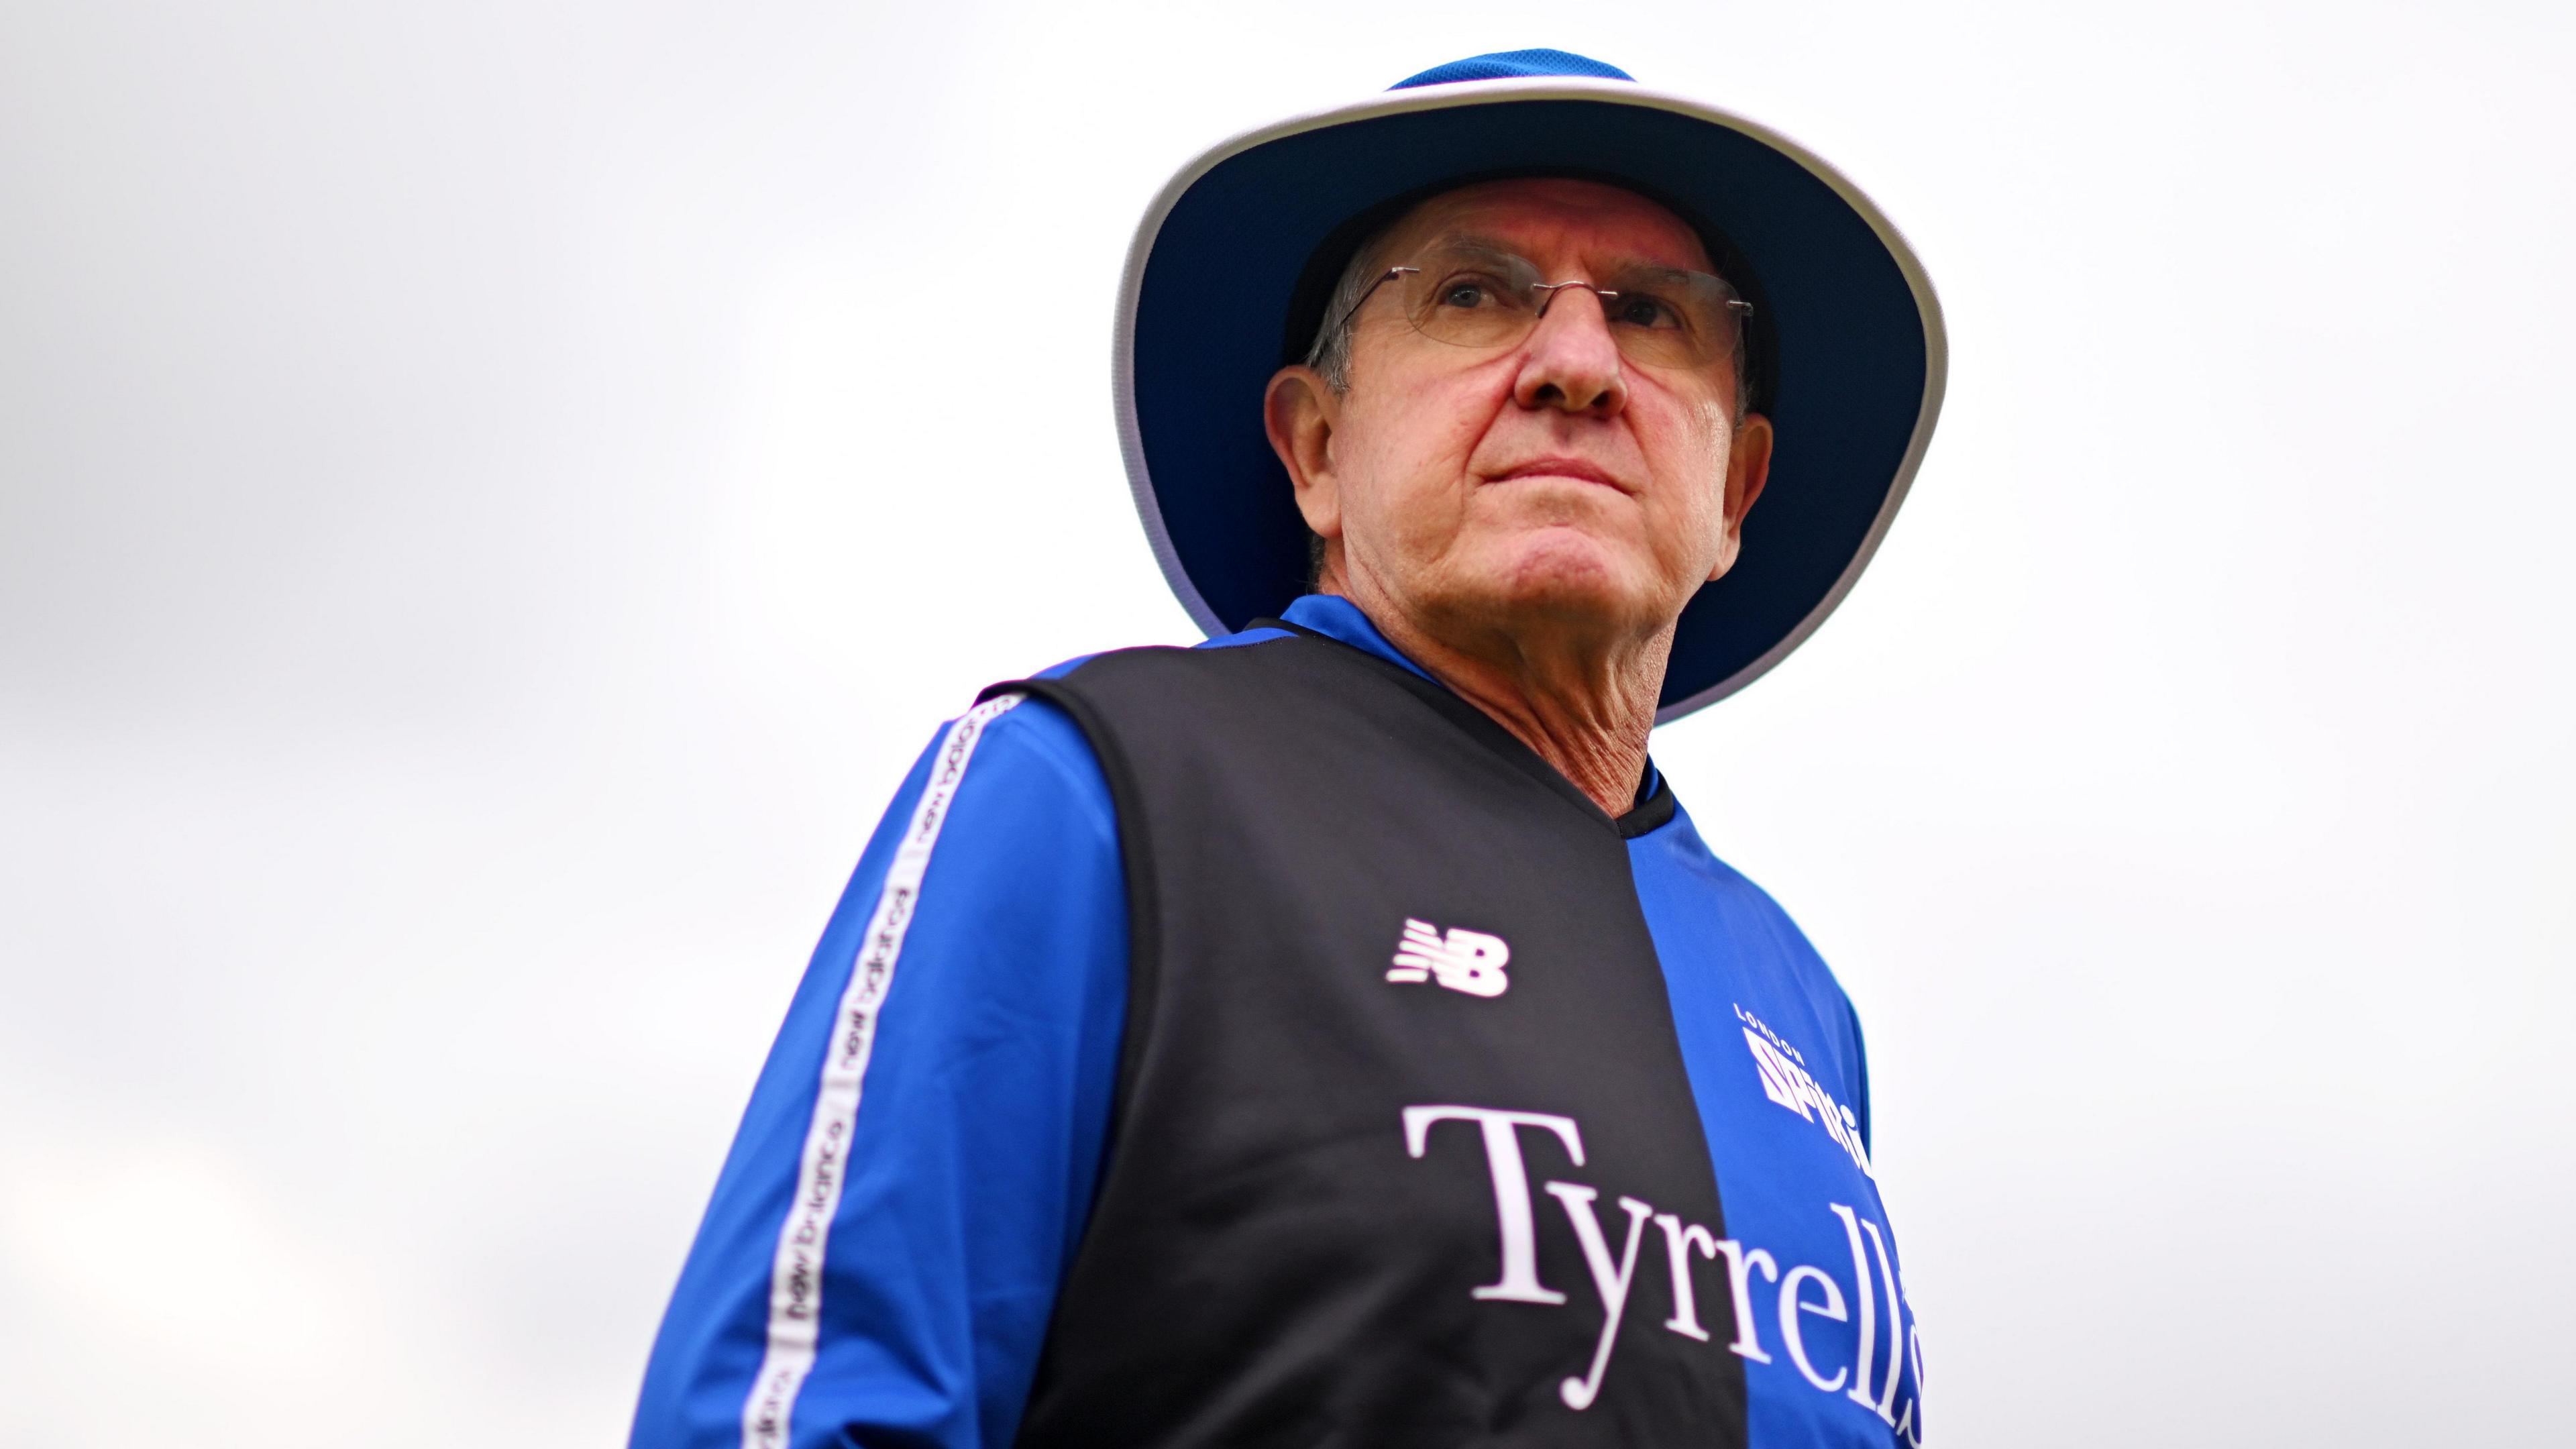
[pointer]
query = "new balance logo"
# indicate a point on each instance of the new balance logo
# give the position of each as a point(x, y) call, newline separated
point(1468, 961)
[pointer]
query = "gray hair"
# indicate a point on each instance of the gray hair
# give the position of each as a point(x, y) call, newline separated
point(1330, 356)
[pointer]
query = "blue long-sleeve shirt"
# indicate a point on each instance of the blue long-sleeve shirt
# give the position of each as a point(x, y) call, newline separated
point(985, 1099)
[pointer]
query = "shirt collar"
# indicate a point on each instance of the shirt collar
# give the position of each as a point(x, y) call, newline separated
point(1336, 617)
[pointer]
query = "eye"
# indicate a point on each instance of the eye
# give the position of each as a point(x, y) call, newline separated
point(1641, 309)
point(1470, 292)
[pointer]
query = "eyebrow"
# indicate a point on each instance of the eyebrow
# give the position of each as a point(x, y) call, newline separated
point(1473, 241)
point(1470, 241)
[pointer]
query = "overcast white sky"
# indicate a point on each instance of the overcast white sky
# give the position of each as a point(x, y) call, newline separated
point(493, 495)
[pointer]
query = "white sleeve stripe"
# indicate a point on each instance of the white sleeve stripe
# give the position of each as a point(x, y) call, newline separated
point(796, 1274)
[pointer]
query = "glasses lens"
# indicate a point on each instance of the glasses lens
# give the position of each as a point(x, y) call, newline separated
point(1666, 317)
point(1471, 298)
point(1661, 316)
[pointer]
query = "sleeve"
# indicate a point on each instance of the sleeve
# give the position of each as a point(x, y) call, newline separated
point(1860, 1075)
point(883, 1248)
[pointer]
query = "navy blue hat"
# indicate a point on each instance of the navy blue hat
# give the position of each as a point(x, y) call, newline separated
point(1231, 269)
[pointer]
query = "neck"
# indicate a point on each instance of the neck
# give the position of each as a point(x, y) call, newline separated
point(1583, 702)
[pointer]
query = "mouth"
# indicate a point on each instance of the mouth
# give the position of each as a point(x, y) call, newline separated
point(1574, 468)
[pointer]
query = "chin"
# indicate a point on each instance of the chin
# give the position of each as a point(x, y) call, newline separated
point(1566, 575)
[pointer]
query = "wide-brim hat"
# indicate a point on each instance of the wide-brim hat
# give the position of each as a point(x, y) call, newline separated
point(1233, 265)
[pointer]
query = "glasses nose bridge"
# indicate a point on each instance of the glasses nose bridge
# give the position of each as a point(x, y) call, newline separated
point(1548, 292)
point(1552, 289)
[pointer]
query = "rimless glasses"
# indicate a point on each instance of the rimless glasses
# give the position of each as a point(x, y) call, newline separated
point(1477, 297)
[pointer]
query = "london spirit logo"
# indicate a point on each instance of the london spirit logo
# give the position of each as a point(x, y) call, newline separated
point(1468, 961)
point(1785, 1080)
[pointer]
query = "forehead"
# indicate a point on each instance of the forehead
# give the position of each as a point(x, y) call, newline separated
point(1555, 219)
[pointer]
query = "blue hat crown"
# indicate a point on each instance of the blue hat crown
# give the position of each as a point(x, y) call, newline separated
point(1508, 64)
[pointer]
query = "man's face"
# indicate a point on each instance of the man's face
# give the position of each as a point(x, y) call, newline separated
point(1549, 483)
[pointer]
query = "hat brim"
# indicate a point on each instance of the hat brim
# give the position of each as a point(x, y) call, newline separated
point(1855, 340)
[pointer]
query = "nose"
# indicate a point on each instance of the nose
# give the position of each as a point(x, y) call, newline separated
point(1572, 362)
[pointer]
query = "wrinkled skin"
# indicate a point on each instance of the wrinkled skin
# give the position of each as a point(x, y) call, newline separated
point(1528, 523)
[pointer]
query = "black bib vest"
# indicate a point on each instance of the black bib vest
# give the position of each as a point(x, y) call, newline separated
point(1350, 1200)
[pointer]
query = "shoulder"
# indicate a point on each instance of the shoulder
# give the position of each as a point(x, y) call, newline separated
point(1745, 896)
point(1799, 953)
point(1247, 683)
point(1030, 752)
point(1677, 856)
point(1120, 699)
point(1676, 865)
point(1032, 733)
point(1014, 762)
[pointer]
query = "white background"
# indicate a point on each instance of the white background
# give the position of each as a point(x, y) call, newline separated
point(492, 496)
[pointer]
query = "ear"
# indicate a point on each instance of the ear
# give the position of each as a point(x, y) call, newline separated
point(1299, 412)
point(1748, 467)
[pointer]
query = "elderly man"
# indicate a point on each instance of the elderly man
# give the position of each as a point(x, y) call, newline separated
point(1337, 1034)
